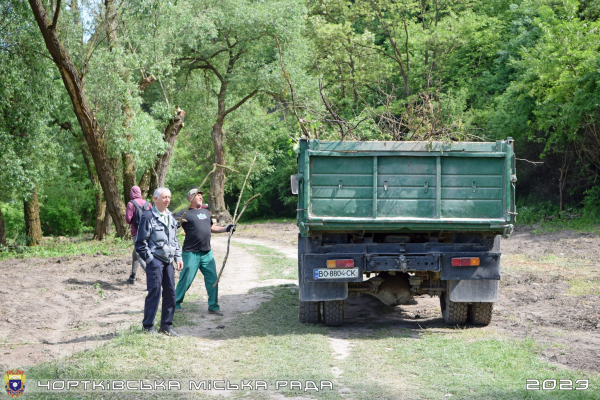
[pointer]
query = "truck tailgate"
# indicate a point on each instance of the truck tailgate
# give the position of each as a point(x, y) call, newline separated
point(406, 185)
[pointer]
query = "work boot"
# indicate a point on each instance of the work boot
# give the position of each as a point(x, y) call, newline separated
point(131, 279)
point(215, 312)
point(150, 330)
point(168, 330)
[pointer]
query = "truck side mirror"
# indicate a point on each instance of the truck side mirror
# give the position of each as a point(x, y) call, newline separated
point(294, 179)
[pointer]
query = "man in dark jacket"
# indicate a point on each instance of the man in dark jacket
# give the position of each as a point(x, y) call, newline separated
point(197, 254)
point(157, 245)
point(136, 196)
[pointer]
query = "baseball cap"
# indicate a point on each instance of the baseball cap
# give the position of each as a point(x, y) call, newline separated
point(193, 192)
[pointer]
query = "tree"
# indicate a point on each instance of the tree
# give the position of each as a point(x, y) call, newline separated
point(116, 60)
point(75, 86)
point(2, 230)
point(29, 149)
point(237, 56)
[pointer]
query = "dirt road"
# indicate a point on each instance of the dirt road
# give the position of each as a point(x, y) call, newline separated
point(54, 307)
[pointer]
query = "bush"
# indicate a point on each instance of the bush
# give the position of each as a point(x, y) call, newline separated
point(591, 204)
point(276, 198)
point(533, 212)
point(59, 218)
point(67, 204)
point(14, 219)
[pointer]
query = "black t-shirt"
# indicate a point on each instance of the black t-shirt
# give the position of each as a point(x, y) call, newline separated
point(197, 229)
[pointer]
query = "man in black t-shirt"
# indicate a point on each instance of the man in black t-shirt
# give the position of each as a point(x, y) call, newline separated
point(196, 252)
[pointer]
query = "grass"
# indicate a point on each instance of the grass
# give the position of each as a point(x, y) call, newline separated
point(270, 344)
point(545, 217)
point(583, 287)
point(576, 224)
point(383, 361)
point(547, 263)
point(60, 247)
point(273, 264)
point(464, 364)
point(269, 220)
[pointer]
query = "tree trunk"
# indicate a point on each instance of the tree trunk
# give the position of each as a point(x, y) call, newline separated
point(159, 173)
point(95, 140)
point(2, 230)
point(562, 181)
point(216, 198)
point(98, 196)
point(106, 225)
point(217, 181)
point(144, 185)
point(129, 170)
point(100, 213)
point(33, 226)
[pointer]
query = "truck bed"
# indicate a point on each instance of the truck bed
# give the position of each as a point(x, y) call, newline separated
point(406, 186)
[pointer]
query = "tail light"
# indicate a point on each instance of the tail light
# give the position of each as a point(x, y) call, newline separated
point(465, 262)
point(340, 263)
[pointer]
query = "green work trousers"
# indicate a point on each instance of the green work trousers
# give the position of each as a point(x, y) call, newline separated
point(191, 262)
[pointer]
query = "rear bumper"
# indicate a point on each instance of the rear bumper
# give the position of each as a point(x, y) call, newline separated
point(489, 268)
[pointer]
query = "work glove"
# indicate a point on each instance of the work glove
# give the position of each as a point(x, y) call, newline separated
point(230, 228)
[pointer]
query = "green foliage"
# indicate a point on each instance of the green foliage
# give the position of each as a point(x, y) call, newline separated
point(30, 146)
point(14, 221)
point(65, 247)
point(533, 212)
point(67, 206)
point(376, 70)
point(545, 216)
point(274, 185)
point(591, 204)
point(58, 218)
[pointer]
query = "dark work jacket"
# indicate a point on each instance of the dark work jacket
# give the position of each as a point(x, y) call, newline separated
point(155, 239)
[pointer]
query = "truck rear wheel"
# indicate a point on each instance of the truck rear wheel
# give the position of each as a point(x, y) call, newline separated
point(333, 312)
point(309, 312)
point(480, 313)
point(454, 313)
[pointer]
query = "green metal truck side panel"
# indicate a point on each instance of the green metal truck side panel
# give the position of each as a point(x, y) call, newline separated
point(393, 186)
point(475, 197)
point(353, 208)
point(406, 208)
point(362, 180)
point(342, 165)
point(337, 191)
point(406, 166)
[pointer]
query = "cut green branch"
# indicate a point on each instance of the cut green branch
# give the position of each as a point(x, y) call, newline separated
point(235, 221)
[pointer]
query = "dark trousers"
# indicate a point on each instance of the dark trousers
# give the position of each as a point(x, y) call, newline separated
point(136, 260)
point(159, 273)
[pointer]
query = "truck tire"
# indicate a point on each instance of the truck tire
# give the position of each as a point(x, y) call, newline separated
point(309, 312)
point(454, 313)
point(333, 312)
point(480, 313)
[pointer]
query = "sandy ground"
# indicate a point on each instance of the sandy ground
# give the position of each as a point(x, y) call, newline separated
point(52, 307)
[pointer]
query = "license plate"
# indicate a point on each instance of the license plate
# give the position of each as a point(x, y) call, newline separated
point(336, 273)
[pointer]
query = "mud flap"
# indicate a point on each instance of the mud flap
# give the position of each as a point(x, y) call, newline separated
point(316, 291)
point(481, 290)
point(322, 291)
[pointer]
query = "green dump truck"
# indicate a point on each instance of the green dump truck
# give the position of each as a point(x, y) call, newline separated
point(399, 219)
